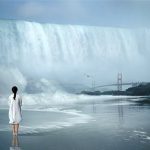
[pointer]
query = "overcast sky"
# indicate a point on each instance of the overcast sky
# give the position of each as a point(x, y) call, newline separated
point(122, 13)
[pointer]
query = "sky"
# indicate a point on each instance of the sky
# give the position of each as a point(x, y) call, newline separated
point(116, 13)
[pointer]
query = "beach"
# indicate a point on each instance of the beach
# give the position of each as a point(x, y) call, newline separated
point(118, 123)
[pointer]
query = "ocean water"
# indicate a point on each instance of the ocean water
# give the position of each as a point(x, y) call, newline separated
point(108, 123)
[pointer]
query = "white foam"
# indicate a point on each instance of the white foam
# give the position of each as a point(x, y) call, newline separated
point(76, 117)
point(139, 132)
point(142, 134)
point(148, 138)
point(60, 98)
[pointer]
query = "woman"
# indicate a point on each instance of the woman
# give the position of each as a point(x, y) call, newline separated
point(15, 116)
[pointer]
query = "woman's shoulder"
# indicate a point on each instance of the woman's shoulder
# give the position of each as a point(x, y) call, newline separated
point(19, 96)
point(10, 96)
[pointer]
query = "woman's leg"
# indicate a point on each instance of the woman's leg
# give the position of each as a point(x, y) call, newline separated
point(16, 128)
point(13, 128)
point(15, 141)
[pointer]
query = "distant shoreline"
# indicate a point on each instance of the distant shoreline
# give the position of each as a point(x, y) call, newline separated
point(140, 90)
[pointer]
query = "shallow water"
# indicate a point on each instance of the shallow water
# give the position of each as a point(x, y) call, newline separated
point(121, 123)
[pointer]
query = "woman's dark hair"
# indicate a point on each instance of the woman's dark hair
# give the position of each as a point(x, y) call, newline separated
point(14, 90)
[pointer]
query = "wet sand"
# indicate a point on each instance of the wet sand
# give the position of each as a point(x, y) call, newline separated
point(118, 124)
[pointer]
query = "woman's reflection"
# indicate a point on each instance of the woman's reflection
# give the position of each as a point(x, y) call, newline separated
point(15, 143)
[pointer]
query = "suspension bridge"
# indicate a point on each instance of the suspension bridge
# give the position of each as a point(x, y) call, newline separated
point(119, 84)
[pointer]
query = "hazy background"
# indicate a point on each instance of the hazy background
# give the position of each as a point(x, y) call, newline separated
point(116, 13)
point(102, 39)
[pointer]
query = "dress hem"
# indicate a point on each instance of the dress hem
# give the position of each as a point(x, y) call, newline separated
point(14, 123)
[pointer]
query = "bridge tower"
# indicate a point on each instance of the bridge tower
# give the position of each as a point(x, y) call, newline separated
point(119, 82)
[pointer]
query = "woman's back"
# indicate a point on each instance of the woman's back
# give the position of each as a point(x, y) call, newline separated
point(17, 100)
point(15, 109)
point(15, 116)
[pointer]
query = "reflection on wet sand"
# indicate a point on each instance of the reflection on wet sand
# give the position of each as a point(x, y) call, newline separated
point(94, 107)
point(120, 112)
point(15, 143)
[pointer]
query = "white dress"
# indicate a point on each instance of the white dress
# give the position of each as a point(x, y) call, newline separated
point(15, 115)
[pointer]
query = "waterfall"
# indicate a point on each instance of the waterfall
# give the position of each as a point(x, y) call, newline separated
point(65, 53)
